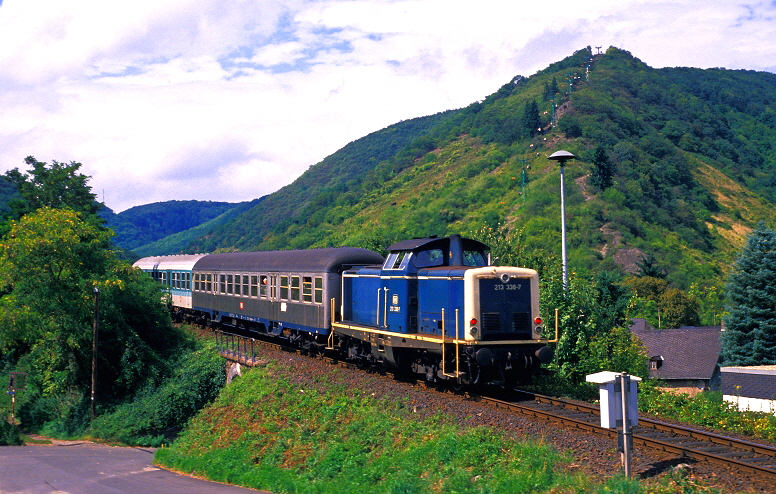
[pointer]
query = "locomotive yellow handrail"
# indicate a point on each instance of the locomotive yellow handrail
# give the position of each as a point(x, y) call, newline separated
point(457, 350)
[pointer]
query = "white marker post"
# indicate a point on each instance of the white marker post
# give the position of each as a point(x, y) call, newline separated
point(619, 408)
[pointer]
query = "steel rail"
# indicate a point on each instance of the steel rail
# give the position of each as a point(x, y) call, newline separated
point(671, 438)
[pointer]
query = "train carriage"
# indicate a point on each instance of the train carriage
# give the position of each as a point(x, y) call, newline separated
point(278, 292)
point(174, 273)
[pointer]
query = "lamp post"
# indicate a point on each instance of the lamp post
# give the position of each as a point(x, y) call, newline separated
point(562, 157)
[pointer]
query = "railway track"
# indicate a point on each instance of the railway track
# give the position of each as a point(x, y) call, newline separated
point(747, 456)
point(685, 441)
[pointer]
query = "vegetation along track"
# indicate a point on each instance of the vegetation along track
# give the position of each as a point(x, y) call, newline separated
point(661, 436)
point(670, 438)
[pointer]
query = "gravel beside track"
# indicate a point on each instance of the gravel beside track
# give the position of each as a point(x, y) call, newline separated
point(593, 454)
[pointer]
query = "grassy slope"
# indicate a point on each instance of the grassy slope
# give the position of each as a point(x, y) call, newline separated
point(268, 430)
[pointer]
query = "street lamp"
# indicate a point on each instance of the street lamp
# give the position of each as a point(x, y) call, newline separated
point(562, 157)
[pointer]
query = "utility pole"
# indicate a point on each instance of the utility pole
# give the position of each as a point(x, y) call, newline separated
point(95, 327)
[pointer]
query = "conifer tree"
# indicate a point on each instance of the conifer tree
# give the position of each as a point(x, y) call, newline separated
point(603, 170)
point(531, 122)
point(750, 326)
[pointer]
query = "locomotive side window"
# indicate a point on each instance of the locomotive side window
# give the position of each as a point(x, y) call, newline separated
point(295, 288)
point(254, 285)
point(284, 287)
point(318, 290)
point(474, 258)
point(430, 258)
point(263, 286)
point(397, 260)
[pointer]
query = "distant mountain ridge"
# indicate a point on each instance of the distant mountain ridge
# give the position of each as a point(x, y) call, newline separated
point(149, 223)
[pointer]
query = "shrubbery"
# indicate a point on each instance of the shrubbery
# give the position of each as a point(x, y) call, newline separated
point(707, 409)
point(158, 414)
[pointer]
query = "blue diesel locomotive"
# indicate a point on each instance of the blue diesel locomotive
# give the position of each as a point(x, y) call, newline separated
point(434, 306)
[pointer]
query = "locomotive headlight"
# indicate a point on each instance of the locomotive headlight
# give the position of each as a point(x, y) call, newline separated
point(473, 331)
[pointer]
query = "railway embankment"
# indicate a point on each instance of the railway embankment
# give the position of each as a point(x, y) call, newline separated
point(301, 425)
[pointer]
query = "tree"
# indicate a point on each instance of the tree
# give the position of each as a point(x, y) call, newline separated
point(50, 264)
point(58, 185)
point(648, 267)
point(531, 122)
point(750, 326)
point(592, 339)
point(603, 170)
point(678, 309)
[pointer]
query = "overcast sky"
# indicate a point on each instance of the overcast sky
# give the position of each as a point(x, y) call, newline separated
point(231, 100)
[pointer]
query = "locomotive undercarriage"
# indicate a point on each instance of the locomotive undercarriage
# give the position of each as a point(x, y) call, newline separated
point(462, 364)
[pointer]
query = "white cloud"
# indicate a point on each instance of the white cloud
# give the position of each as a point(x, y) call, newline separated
point(232, 100)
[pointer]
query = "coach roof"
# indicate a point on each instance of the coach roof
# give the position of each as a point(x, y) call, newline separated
point(310, 261)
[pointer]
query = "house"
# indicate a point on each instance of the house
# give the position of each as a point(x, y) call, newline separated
point(685, 359)
point(750, 388)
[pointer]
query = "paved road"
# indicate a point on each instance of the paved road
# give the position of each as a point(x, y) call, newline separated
point(84, 467)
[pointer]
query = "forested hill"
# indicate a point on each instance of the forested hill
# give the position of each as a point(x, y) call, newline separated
point(675, 163)
point(141, 225)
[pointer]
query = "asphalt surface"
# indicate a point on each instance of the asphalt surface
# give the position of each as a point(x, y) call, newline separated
point(84, 467)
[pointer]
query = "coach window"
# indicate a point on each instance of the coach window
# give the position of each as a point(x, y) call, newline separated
point(307, 289)
point(209, 282)
point(163, 277)
point(263, 286)
point(295, 288)
point(230, 284)
point(196, 282)
point(284, 288)
point(318, 290)
point(254, 285)
point(245, 286)
point(222, 283)
point(188, 281)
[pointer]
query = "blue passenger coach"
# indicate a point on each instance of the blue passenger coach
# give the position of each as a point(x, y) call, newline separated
point(174, 273)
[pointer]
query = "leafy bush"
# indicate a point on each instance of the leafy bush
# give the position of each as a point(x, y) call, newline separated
point(157, 414)
point(9, 435)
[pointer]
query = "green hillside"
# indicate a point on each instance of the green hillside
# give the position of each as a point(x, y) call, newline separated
point(149, 223)
point(677, 163)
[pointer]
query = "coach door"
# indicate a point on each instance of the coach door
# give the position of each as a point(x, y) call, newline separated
point(274, 306)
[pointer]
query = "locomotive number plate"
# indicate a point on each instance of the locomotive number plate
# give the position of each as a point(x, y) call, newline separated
point(507, 286)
